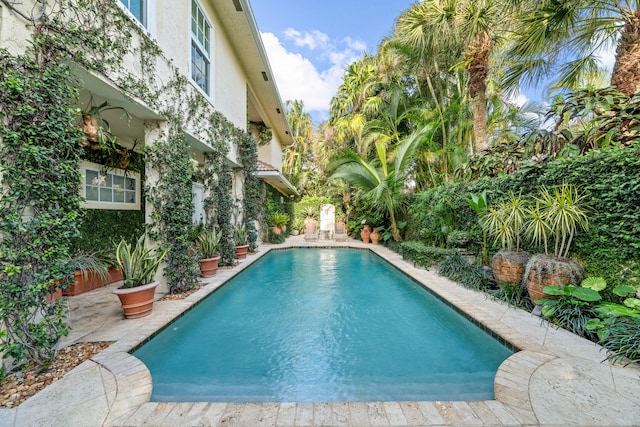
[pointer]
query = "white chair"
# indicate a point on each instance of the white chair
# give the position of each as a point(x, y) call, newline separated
point(339, 232)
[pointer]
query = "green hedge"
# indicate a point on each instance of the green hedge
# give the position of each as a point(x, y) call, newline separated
point(610, 179)
point(101, 229)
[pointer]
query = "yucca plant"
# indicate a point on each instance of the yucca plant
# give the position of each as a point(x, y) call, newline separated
point(506, 222)
point(208, 241)
point(138, 264)
point(240, 235)
point(559, 213)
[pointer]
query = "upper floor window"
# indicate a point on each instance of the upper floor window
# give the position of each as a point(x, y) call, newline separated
point(138, 8)
point(200, 47)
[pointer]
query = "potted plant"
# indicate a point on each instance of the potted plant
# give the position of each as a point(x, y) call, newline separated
point(505, 223)
point(310, 221)
point(280, 221)
point(96, 129)
point(241, 239)
point(557, 215)
point(139, 266)
point(208, 242)
point(90, 272)
point(298, 226)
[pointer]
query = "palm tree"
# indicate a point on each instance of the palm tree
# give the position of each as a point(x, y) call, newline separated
point(465, 30)
point(296, 156)
point(566, 37)
point(384, 178)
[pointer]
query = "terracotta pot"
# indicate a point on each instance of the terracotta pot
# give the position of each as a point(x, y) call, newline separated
point(242, 251)
point(276, 230)
point(90, 127)
point(365, 233)
point(309, 225)
point(508, 266)
point(92, 281)
point(550, 271)
point(56, 294)
point(283, 227)
point(137, 302)
point(209, 266)
point(375, 236)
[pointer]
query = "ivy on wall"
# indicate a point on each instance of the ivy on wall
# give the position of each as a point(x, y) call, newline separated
point(40, 212)
point(39, 209)
point(253, 209)
point(171, 217)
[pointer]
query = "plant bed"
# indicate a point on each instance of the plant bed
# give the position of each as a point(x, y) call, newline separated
point(17, 388)
point(87, 282)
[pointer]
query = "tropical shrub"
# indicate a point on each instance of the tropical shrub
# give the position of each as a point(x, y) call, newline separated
point(462, 271)
point(424, 256)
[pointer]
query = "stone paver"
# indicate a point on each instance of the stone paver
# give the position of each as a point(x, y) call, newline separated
point(557, 378)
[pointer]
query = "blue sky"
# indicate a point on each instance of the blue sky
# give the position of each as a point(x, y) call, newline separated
point(310, 43)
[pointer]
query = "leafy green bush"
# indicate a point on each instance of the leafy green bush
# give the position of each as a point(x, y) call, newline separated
point(610, 180)
point(422, 255)
point(462, 271)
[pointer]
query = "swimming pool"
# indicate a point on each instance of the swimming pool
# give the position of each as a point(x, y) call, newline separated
point(322, 325)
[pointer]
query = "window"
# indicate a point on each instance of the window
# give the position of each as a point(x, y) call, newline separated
point(200, 47)
point(197, 192)
point(138, 8)
point(110, 189)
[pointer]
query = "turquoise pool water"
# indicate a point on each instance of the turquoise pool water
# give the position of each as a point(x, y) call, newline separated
point(322, 325)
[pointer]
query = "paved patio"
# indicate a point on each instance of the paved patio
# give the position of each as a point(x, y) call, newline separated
point(557, 379)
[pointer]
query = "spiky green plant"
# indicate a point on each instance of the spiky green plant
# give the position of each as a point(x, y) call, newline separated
point(240, 234)
point(208, 241)
point(138, 264)
point(562, 209)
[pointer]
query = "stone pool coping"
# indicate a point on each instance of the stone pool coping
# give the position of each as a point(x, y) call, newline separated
point(557, 378)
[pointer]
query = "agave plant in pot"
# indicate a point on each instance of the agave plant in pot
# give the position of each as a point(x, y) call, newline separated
point(241, 239)
point(505, 223)
point(139, 265)
point(556, 216)
point(208, 242)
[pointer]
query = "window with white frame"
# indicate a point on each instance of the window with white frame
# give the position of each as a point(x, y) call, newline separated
point(197, 192)
point(138, 8)
point(109, 189)
point(200, 47)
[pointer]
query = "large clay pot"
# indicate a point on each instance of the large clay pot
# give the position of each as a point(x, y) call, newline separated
point(276, 230)
point(545, 270)
point(309, 225)
point(365, 233)
point(87, 282)
point(209, 266)
point(137, 302)
point(508, 266)
point(375, 236)
point(242, 251)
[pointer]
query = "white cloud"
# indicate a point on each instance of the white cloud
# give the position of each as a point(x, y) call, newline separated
point(298, 77)
point(313, 40)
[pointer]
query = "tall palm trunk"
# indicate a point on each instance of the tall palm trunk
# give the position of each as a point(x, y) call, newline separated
point(626, 70)
point(478, 69)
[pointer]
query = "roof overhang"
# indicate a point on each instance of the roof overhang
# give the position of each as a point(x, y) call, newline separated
point(278, 181)
point(239, 23)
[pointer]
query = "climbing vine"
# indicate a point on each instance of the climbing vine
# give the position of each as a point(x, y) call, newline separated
point(40, 212)
point(253, 209)
point(171, 215)
point(39, 209)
